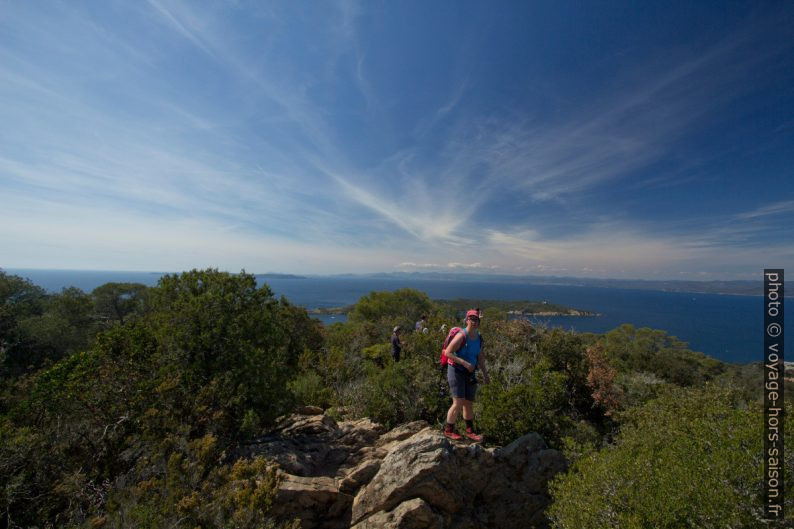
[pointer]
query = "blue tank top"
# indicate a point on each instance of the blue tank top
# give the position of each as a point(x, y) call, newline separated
point(471, 350)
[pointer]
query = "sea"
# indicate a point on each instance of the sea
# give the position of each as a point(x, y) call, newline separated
point(726, 327)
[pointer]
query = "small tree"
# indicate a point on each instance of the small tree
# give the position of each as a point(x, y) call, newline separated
point(19, 299)
point(388, 309)
point(227, 340)
point(117, 302)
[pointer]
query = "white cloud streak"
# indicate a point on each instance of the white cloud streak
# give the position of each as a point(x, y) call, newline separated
point(617, 250)
point(778, 208)
point(294, 186)
point(124, 241)
point(628, 130)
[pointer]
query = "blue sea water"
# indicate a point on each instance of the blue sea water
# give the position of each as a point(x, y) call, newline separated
point(727, 327)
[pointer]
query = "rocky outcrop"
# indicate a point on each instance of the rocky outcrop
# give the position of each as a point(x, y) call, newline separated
point(356, 474)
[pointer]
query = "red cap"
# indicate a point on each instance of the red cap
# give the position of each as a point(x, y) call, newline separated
point(473, 312)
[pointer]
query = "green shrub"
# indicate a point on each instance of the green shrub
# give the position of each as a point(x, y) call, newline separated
point(690, 458)
point(331, 375)
point(193, 489)
point(581, 439)
point(490, 314)
point(354, 337)
point(309, 388)
point(535, 403)
point(379, 354)
point(639, 387)
point(385, 310)
point(401, 392)
point(565, 352)
point(665, 356)
point(211, 359)
point(221, 331)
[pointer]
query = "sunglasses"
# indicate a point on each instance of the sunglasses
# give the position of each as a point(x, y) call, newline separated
point(474, 318)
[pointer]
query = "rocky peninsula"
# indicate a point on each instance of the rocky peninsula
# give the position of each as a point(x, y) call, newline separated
point(514, 309)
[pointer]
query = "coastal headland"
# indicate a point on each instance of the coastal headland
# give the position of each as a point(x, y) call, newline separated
point(512, 309)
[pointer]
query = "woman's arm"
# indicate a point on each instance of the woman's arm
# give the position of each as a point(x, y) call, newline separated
point(451, 352)
point(481, 364)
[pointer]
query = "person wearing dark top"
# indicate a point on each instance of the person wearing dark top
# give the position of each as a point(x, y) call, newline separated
point(396, 345)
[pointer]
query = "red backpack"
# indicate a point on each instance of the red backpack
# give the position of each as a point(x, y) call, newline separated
point(444, 361)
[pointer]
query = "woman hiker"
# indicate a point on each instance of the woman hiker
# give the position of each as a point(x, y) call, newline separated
point(464, 356)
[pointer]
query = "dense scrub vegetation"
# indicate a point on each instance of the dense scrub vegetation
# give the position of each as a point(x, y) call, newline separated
point(688, 458)
point(119, 407)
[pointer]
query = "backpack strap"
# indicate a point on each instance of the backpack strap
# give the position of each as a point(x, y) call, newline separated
point(465, 340)
point(466, 337)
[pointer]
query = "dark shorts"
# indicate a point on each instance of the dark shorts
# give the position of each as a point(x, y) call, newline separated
point(462, 384)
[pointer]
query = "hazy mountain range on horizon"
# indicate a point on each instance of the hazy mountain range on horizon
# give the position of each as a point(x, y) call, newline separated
point(736, 287)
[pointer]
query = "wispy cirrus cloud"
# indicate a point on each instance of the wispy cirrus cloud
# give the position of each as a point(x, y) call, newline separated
point(560, 160)
point(171, 158)
point(291, 129)
point(783, 207)
point(635, 121)
point(100, 237)
point(186, 25)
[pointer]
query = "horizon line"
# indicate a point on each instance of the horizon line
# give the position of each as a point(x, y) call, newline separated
point(461, 273)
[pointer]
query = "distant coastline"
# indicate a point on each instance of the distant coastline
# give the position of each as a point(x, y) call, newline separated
point(723, 326)
point(734, 287)
point(273, 275)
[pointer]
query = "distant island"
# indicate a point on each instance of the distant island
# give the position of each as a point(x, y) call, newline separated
point(331, 310)
point(273, 275)
point(522, 308)
point(515, 308)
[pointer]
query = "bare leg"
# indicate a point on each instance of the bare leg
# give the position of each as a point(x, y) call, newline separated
point(468, 411)
point(454, 410)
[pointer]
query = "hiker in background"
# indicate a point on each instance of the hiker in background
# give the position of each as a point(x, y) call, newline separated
point(396, 345)
point(421, 325)
point(464, 356)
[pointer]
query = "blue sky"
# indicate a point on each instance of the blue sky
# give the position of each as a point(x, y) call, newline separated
point(598, 139)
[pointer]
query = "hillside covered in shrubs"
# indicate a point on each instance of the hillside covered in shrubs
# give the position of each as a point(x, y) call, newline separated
point(121, 407)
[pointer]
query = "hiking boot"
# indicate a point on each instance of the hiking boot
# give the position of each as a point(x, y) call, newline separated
point(452, 434)
point(473, 436)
